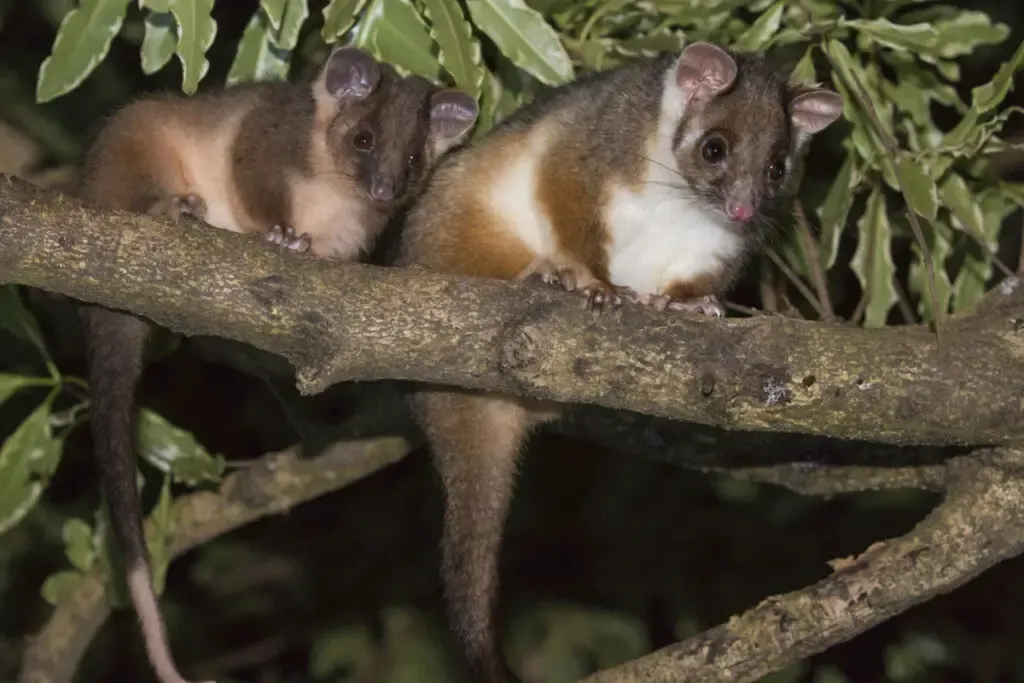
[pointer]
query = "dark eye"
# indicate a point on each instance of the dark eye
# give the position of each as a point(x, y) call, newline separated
point(713, 150)
point(414, 159)
point(363, 141)
point(776, 170)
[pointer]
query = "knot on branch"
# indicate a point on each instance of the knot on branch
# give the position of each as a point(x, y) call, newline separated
point(519, 351)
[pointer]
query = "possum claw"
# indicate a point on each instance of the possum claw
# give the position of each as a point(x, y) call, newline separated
point(188, 204)
point(286, 238)
point(703, 305)
point(597, 295)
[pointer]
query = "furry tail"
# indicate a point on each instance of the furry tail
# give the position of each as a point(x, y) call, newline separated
point(476, 442)
point(115, 343)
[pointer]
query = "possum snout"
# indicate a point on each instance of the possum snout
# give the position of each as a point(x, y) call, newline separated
point(382, 189)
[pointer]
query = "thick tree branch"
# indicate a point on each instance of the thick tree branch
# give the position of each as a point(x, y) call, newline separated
point(974, 528)
point(274, 484)
point(338, 322)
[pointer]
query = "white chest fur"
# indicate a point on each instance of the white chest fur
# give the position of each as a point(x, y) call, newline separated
point(659, 237)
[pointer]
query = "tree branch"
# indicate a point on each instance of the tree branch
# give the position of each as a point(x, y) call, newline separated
point(974, 528)
point(337, 322)
point(274, 484)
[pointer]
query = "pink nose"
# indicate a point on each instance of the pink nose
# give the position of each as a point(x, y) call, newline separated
point(740, 211)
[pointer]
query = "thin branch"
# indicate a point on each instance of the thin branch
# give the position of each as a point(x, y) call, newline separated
point(974, 528)
point(278, 483)
point(340, 322)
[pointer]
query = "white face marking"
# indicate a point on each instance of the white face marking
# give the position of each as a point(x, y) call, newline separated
point(658, 235)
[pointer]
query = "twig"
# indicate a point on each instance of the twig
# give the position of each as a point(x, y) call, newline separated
point(281, 481)
point(797, 282)
point(813, 250)
point(974, 528)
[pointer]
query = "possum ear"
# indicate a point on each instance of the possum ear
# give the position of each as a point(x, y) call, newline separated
point(452, 116)
point(704, 70)
point(813, 111)
point(350, 74)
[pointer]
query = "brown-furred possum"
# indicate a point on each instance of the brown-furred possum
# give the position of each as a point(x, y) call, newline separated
point(319, 167)
point(648, 182)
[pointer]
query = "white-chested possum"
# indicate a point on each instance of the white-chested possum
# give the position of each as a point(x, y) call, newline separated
point(649, 181)
point(319, 166)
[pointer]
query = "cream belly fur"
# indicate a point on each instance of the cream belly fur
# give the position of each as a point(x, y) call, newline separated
point(206, 164)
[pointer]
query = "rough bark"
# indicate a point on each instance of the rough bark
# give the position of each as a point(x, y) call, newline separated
point(337, 322)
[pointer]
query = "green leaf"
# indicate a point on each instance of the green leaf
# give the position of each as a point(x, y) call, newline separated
point(162, 6)
point(16, 318)
point(660, 40)
point(846, 73)
point(804, 71)
point(339, 15)
point(872, 261)
point(918, 189)
point(761, 31)
point(30, 451)
point(957, 197)
point(10, 384)
point(159, 41)
point(834, 210)
point(964, 33)
point(972, 278)
point(396, 33)
point(257, 58)
point(524, 37)
point(987, 97)
point(274, 10)
point(919, 38)
point(157, 542)
point(171, 449)
point(196, 31)
point(79, 544)
point(938, 238)
point(58, 585)
point(295, 14)
point(82, 42)
point(460, 50)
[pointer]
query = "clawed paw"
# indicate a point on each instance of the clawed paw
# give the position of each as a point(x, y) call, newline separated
point(286, 238)
point(188, 204)
point(549, 274)
point(704, 305)
point(599, 295)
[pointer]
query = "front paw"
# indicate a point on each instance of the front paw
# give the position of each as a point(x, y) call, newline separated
point(188, 204)
point(286, 238)
point(703, 305)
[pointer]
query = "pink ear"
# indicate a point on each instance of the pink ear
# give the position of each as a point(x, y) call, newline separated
point(814, 111)
point(704, 70)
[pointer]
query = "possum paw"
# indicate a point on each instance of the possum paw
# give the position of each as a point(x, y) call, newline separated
point(703, 305)
point(286, 238)
point(188, 204)
point(598, 295)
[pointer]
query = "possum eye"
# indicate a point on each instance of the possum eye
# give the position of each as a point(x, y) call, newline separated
point(414, 159)
point(713, 150)
point(776, 170)
point(363, 141)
